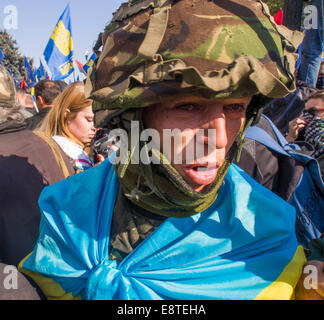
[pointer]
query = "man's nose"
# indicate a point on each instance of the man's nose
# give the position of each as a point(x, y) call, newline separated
point(215, 128)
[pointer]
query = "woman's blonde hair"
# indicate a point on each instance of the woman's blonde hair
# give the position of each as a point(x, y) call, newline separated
point(65, 107)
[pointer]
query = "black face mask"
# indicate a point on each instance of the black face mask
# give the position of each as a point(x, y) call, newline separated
point(309, 114)
point(320, 83)
point(314, 131)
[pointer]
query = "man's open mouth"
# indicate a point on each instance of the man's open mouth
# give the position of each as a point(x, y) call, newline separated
point(202, 175)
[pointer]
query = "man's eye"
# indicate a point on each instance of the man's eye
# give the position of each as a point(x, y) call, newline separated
point(235, 107)
point(186, 107)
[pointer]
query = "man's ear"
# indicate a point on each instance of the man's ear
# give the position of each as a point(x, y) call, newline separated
point(40, 100)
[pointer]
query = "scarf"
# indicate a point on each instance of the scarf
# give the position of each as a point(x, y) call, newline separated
point(81, 161)
point(314, 133)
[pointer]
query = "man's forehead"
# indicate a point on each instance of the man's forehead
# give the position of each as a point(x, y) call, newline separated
point(318, 104)
point(200, 99)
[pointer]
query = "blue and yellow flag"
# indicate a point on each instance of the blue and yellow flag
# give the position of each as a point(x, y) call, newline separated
point(59, 50)
point(30, 78)
point(243, 247)
point(41, 73)
point(89, 63)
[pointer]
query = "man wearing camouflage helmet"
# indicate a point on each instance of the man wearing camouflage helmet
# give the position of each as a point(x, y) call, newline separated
point(163, 229)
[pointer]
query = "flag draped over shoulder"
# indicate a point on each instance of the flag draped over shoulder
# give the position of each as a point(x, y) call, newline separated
point(59, 50)
point(243, 247)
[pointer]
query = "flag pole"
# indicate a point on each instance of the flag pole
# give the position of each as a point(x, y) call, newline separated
point(73, 59)
point(74, 69)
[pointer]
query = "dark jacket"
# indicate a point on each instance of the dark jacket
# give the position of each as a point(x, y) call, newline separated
point(277, 173)
point(33, 122)
point(27, 166)
point(11, 126)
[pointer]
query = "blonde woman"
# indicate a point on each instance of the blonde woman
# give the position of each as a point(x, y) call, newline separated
point(70, 124)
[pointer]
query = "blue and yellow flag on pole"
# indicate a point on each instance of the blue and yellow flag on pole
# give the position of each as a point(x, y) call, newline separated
point(41, 73)
point(59, 50)
point(89, 63)
point(30, 78)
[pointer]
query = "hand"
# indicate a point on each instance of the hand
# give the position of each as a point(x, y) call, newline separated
point(294, 128)
point(100, 158)
point(311, 283)
point(113, 147)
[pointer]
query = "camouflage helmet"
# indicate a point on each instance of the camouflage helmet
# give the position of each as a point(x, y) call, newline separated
point(155, 49)
point(7, 89)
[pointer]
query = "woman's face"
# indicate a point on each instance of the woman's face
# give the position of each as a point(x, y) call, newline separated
point(82, 126)
point(213, 124)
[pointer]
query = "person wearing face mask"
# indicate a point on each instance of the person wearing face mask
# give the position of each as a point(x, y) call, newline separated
point(151, 222)
point(310, 127)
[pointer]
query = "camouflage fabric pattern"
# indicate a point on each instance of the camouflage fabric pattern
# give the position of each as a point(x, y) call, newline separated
point(129, 227)
point(153, 50)
point(7, 89)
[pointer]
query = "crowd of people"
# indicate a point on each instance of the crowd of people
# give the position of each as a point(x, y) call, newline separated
point(225, 226)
